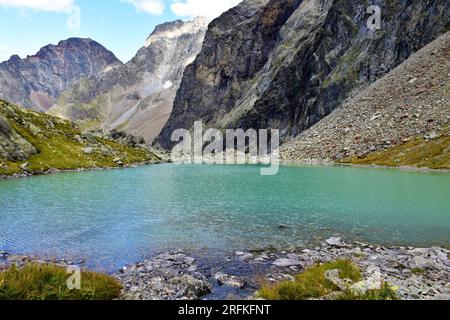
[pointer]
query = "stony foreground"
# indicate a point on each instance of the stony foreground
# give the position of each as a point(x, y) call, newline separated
point(415, 273)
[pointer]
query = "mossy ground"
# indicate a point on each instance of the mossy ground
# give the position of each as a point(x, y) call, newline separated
point(47, 282)
point(312, 284)
point(418, 271)
point(59, 146)
point(419, 152)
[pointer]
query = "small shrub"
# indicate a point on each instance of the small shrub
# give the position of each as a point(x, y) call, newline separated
point(47, 282)
point(384, 293)
point(312, 284)
point(417, 271)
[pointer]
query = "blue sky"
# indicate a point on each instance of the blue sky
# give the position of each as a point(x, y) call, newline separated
point(120, 25)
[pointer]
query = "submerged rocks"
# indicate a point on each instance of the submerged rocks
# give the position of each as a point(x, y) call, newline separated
point(286, 262)
point(243, 256)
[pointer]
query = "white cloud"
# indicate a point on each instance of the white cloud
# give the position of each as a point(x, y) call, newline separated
point(60, 6)
point(42, 5)
point(74, 19)
point(194, 8)
point(154, 7)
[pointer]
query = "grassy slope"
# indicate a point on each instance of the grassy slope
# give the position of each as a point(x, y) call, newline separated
point(47, 282)
point(420, 153)
point(59, 145)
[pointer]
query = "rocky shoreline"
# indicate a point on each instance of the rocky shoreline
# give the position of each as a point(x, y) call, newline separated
point(315, 163)
point(284, 162)
point(414, 273)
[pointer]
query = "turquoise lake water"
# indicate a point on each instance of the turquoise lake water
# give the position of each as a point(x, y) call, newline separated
point(113, 218)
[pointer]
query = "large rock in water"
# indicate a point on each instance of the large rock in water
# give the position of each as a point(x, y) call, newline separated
point(287, 64)
point(37, 81)
point(137, 97)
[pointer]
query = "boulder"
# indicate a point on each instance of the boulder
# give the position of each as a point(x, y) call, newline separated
point(191, 287)
point(334, 277)
point(335, 242)
point(243, 256)
point(231, 281)
point(286, 262)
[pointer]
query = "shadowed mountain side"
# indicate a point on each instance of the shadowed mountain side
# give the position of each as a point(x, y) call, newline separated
point(287, 64)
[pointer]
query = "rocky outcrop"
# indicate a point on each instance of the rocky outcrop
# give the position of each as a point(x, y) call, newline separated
point(13, 147)
point(137, 97)
point(37, 81)
point(287, 64)
point(411, 101)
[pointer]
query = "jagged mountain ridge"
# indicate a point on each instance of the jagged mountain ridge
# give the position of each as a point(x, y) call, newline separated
point(286, 64)
point(37, 81)
point(137, 97)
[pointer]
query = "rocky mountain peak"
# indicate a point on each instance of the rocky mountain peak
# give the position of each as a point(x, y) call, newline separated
point(14, 58)
point(175, 29)
point(137, 97)
point(37, 81)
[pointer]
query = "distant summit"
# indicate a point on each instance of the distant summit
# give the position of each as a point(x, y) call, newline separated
point(137, 97)
point(37, 81)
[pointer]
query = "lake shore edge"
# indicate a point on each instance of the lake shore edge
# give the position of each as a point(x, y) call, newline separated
point(289, 163)
point(413, 273)
point(363, 166)
point(58, 171)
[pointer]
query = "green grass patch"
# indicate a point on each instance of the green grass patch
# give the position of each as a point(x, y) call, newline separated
point(420, 153)
point(384, 293)
point(417, 271)
point(312, 284)
point(47, 282)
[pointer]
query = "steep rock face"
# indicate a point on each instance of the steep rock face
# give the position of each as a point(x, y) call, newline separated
point(138, 96)
point(37, 81)
point(287, 64)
